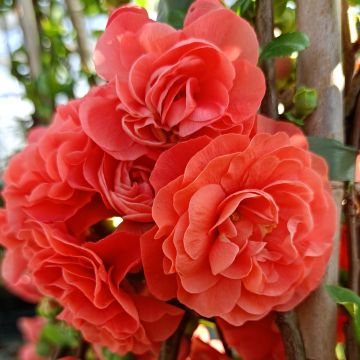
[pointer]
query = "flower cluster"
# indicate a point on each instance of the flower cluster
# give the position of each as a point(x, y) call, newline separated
point(224, 211)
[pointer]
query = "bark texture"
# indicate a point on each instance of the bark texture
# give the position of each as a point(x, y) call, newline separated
point(320, 67)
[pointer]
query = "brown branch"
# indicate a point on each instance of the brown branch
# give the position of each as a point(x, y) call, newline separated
point(356, 125)
point(351, 346)
point(264, 29)
point(320, 67)
point(293, 343)
point(352, 95)
point(347, 47)
point(352, 213)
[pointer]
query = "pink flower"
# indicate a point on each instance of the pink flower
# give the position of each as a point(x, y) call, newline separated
point(255, 340)
point(243, 227)
point(172, 84)
point(30, 329)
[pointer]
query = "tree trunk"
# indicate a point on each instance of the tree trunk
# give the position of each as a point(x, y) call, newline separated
point(320, 67)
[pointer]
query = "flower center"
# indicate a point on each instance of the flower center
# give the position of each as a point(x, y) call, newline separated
point(235, 217)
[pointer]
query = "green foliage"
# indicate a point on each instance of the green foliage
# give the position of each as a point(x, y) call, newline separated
point(57, 337)
point(245, 8)
point(58, 50)
point(60, 334)
point(279, 8)
point(173, 11)
point(108, 355)
point(353, 2)
point(284, 16)
point(340, 158)
point(285, 45)
point(351, 302)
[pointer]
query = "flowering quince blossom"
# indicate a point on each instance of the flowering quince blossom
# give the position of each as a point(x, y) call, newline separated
point(175, 84)
point(64, 171)
point(67, 184)
point(240, 225)
point(96, 283)
point(224, 210)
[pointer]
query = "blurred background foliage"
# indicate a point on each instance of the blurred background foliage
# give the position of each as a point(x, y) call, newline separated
point(46, 59)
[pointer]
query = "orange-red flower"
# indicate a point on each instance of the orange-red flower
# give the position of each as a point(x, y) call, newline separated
point(172, 84)
point(57, 191)
point(243, 227)
point(99, 286)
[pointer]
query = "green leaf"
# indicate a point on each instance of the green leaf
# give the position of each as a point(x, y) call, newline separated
point(292, 118)
point(279, 8)
point(173, 11)
point(351, 302)
point(340, 158)
point(353, 2)
point(286, 22)
point(285, 45)
point(241, 6)
point(60, 334)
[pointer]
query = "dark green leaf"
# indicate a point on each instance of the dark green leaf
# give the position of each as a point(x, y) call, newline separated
point(340, 158)
point(241, 6)
point(173, 11)
point(285, 45)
